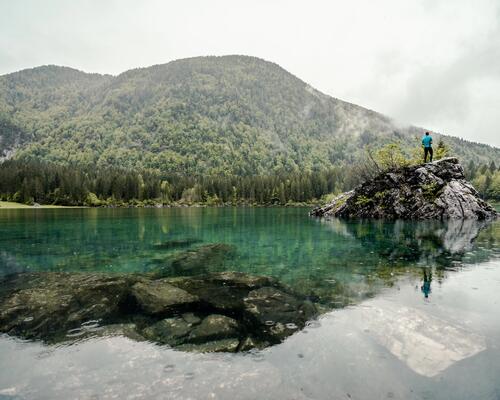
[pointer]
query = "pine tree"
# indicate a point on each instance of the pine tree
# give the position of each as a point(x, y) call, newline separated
point(442, 150)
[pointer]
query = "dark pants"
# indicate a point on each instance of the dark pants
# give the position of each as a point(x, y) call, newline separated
point(428, 150)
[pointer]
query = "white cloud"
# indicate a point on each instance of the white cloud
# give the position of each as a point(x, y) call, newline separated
point(431, 63)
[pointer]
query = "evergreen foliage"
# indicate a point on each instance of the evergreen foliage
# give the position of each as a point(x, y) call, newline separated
point(37, 182)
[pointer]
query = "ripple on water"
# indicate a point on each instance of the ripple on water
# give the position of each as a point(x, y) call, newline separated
point(86, 327)
point(76, 332)
point(313, 324)
point(169, 368)
point(90, 324)
point(189, 375)
point(257, 356)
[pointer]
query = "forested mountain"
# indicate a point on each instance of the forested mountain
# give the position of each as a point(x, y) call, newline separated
point(232, 115)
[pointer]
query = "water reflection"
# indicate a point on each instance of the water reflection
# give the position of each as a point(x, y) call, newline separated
point(425, 242)
point(327, 263)
point(426, 285)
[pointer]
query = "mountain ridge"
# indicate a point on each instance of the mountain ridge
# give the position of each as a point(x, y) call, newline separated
point(203, 115)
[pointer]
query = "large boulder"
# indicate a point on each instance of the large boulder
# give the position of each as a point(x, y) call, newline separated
point(436, 190)
point(157, 297)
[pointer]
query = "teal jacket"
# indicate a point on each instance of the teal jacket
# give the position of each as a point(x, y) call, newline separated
point(427, 141)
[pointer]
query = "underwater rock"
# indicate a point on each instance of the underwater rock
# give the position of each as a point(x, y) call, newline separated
point(191, 318)
point(156, 297)
point(227, 311)
point(44, 305)
point(223, 345)
point(176, 243)
point(198, 260)
point(250, 343)
point(240, 279)
point(279, 313)
point(214, 327)
point(128, 330)
point(225, 291)
point(172, 331)
point(436, 190)
point(177, 330)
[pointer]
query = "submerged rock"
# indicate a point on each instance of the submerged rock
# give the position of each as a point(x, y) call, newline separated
point(214, 327)
point(250, 343)
point(215, 312)
point(279, 313)
point(436, 190)
point(172, 331)
point(224, 345)
point(159, 296)
point(222, 291)
point(126, 329)
point(176, 243)
point(198, 260)
point(47, 305)
point(176, 331)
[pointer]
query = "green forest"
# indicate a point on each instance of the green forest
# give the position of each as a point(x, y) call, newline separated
point(36, 182)
point(211, 130)
point(42, 183)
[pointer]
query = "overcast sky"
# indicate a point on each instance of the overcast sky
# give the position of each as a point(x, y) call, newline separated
point(431, 63)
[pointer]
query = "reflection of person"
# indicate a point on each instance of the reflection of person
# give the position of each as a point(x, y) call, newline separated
point(426, 286)
point(427, 143)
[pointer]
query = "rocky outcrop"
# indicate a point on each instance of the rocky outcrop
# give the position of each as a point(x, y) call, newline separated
point(436, 190)
point(227, 311)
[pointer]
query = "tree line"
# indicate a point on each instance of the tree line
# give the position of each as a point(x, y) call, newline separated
point(44, 183)
point(40, 182)
point(485, 178)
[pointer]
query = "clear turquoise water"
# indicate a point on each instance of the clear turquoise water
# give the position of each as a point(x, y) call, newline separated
point(391, 288)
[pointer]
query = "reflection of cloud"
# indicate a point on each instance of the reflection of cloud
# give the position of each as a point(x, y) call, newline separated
point(426, 344)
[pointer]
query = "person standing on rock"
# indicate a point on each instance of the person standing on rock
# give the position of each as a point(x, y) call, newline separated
point(427, 143)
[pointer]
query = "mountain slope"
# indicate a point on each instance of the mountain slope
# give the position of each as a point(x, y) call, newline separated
point(204, 115)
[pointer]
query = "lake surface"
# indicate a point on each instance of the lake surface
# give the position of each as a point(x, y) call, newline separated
point(409, 310)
